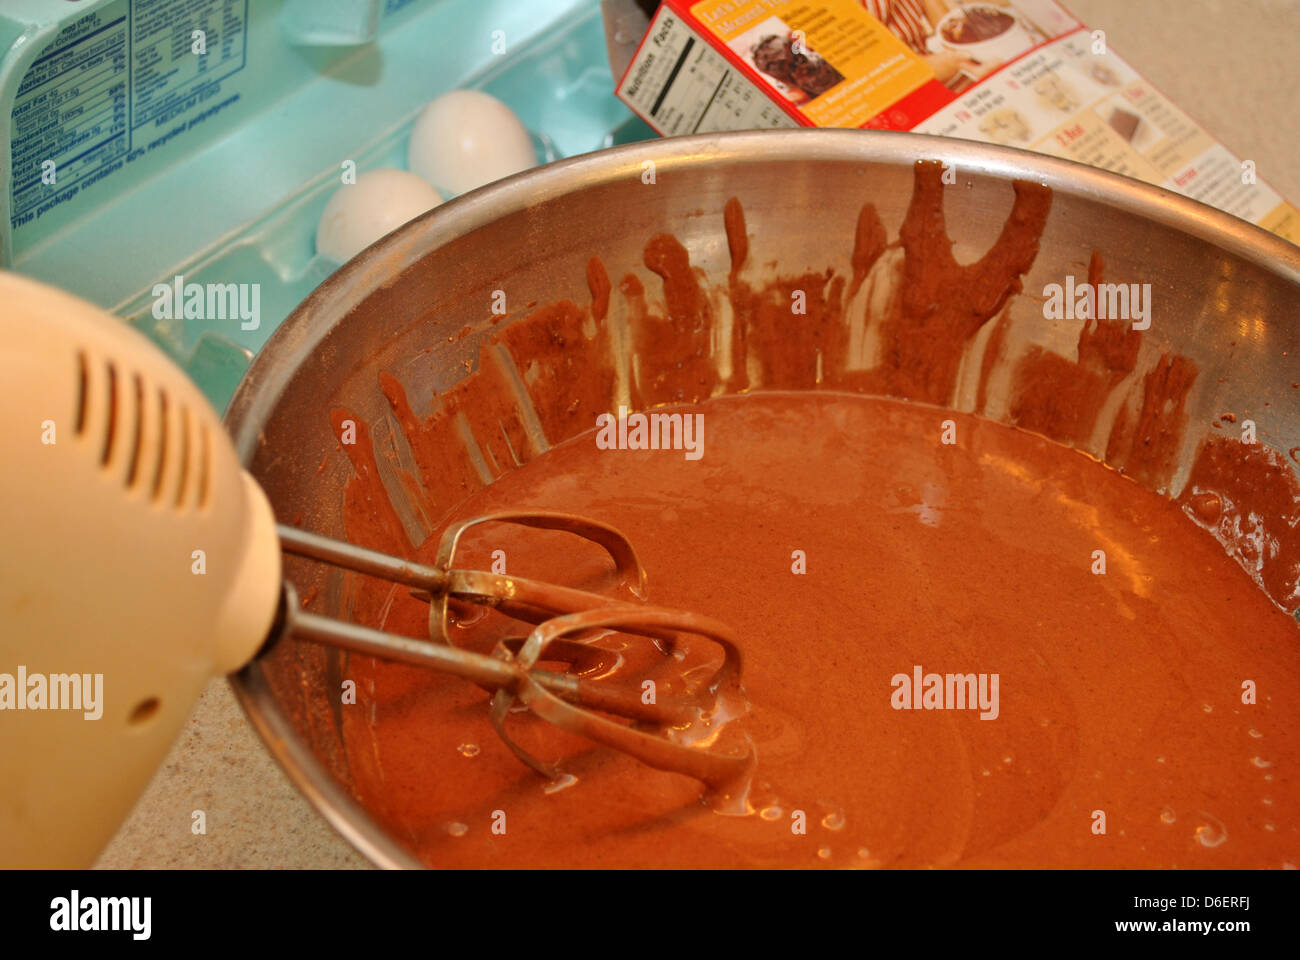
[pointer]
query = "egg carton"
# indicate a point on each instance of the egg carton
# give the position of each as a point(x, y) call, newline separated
point(215, 168)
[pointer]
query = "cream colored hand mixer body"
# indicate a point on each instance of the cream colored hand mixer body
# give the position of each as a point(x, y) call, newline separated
point(138, 561)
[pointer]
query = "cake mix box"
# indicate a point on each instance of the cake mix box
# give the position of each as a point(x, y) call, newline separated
point(1024, 73)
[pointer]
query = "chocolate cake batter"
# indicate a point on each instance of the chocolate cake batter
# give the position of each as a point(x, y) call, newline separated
point(852, 530)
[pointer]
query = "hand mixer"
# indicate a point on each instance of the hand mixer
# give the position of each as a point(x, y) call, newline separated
point(137, 559)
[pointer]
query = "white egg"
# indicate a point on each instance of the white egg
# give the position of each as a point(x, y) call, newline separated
point(467, 138)
point(377, 204)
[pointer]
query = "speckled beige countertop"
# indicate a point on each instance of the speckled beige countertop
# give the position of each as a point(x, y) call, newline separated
point(1230, 64)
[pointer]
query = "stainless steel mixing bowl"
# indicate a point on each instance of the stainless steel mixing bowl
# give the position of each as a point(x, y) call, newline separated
point(1224, 293)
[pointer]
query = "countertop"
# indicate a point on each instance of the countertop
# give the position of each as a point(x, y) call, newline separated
point(1229, 64)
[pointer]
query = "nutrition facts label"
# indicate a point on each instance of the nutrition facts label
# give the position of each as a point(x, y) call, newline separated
point(111, 83)
point(71, 108)
point(679, 85)
point(168, 78)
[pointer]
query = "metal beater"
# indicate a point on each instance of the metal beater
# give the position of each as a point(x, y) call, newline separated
point(510, 672)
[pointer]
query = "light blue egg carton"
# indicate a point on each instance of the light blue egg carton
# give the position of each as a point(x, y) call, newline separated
point(212, 161)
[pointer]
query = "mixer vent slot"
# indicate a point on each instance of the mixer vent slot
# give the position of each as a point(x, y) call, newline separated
point(110, 430)
point(164, 428)
point(133, 469)
point(82, 376)
point(184, 457)
point(204, 453)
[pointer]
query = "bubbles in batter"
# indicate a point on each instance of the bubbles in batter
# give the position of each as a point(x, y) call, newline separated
point(1211, 833)
point(565, 781)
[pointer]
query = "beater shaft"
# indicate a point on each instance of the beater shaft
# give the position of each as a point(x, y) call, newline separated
point(482, 669)
point(519, 597)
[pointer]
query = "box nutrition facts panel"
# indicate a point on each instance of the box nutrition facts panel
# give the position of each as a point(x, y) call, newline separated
point(679, 85)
